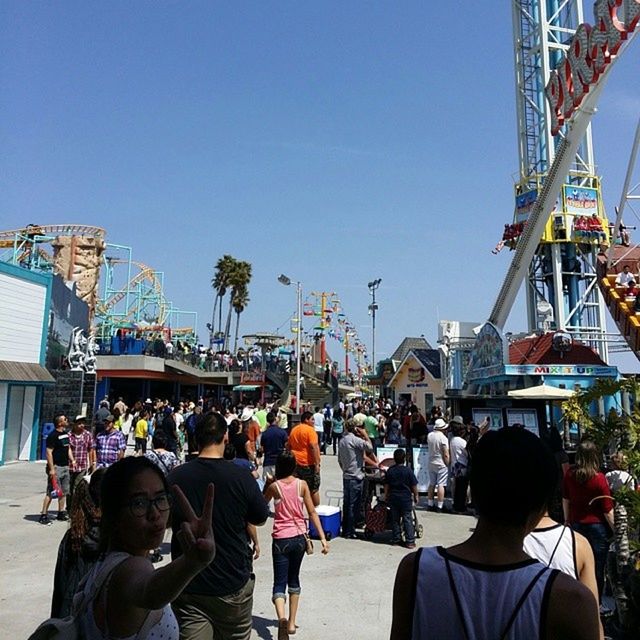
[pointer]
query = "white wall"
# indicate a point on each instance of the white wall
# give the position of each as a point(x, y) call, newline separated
point(22, 306)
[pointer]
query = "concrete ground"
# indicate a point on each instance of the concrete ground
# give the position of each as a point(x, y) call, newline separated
point(345, 594)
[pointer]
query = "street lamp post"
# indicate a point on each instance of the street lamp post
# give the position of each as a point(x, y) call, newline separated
point(373, 307)
point(282, 279)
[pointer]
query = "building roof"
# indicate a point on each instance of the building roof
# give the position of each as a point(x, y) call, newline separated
point(409, 344)
point(539, 350)
point(11, 371)
point(430, 359)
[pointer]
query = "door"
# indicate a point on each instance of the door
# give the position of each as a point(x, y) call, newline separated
point(14, 424)
point(428, 403)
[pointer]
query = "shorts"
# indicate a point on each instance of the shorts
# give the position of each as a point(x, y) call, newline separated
point(438, 476)
point(310, 476)
point(64, 480)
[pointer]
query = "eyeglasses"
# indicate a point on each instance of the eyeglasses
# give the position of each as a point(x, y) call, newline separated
point(140, 506)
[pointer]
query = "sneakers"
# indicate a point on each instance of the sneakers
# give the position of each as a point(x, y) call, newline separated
point(44, 519)
point(62, 515)
point(410, 545)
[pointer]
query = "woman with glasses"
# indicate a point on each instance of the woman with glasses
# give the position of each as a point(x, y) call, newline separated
point(127, 597)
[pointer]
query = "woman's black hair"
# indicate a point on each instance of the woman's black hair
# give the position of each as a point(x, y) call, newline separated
point(114, 490)
point(159, 439)
point(513, 476)
point(285, 465)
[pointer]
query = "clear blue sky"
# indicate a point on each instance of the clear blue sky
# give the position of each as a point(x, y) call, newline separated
point(336, 142)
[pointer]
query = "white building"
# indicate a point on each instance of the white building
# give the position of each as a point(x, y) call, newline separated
point(25, 298)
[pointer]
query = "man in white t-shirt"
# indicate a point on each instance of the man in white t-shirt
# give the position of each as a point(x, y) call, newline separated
point(438, 464)
point(624, 276)
point(318, 427)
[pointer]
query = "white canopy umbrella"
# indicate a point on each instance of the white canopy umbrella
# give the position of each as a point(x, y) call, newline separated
point(541, 392)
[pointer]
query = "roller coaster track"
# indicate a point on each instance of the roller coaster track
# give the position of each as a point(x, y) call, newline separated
point(146, 274)
point(7, 238)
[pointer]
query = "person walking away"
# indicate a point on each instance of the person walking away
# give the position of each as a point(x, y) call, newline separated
point(120, 407)
point(251, 428)
point(318, 425)
point(459, 464)
point(353, 446)
point(337, 429)
point(141, 433)
point(191, 423)
point(273, 442)
point(303, 443)
point(110, 445)
point(438, 465)
point(100, 417)
point(560, 547)
point(327, 424)
point(393, 434)
point(168, 425)
point(289, 542)
point(59, 456)
point(218, 601)
point(78, 549)
point(371, 427)
point(83, 452)
point(239, 439)
point(487, 587)
point(587, 505)
point(401, 493)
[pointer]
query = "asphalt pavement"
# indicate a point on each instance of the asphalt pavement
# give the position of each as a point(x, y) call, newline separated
point(346, 594)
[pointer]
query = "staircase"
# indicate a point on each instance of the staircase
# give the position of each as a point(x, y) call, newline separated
point(621, 308)
point(315, 391)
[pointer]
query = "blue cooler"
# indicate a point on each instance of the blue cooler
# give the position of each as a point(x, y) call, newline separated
point(330, 519)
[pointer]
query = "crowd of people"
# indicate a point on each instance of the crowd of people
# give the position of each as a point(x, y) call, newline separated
point(235, 466)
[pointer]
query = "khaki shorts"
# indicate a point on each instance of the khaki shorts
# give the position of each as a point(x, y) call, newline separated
point(310, 476)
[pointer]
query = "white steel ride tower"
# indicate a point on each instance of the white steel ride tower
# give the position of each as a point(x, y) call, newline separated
point(561, 282)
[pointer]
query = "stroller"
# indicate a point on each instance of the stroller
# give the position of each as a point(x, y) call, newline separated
point(378, 516)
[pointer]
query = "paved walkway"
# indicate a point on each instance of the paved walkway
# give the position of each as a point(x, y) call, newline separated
point(346, 594)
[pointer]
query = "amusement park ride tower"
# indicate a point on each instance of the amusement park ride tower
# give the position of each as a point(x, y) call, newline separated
point(561, 283)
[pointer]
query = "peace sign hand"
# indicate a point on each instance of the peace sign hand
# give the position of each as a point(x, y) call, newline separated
point(196, 534)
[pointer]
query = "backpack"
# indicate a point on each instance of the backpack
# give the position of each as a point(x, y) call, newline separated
point(71, 627)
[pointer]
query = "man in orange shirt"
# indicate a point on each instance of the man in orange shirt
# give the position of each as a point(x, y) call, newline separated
point(303, 443)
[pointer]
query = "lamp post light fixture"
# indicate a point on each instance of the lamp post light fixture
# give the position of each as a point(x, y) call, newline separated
point(286, 281)
point(373, 307)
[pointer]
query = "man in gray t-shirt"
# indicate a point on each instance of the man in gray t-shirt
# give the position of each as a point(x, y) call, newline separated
point(351, 460)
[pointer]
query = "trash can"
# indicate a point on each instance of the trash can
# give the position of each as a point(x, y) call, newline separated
point(47, 430)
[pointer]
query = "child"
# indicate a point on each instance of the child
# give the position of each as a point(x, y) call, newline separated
point(400, 492)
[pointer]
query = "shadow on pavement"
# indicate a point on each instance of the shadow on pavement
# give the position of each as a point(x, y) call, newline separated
point(263, 627)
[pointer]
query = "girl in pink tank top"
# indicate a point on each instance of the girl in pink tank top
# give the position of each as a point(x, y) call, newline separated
point(289, 543)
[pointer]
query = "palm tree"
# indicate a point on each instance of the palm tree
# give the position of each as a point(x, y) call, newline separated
point(239, 280)
point(220, 283)
point(239, 301)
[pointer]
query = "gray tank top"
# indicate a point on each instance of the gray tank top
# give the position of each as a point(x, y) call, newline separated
point(461, 600)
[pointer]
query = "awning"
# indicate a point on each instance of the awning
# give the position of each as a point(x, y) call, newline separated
point(250, 387)
point(541, 392)
point(24, 372)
